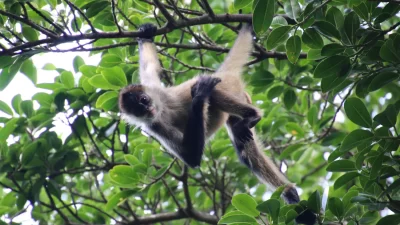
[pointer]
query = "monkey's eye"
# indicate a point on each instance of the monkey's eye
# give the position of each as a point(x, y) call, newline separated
point(144, 99)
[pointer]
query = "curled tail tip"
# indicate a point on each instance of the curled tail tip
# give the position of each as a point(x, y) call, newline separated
point(290, 194)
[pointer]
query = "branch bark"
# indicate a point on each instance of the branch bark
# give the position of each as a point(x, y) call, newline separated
point(56, 40)
point(182, 214)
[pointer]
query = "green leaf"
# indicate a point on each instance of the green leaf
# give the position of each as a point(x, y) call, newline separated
point(277, 36)
point(343, 165)
point(28, 152)
point(50, 86)
point(290, 216)
point(246, 204)
point(107, 101)
point(132, 160)
point(314, 54)
point(332, 49)
point(262, 79)
point(67, 78)
point(292, 9)
point(123, 175)
point(271, 207)
point(293, 48)
point(8, 73)
point(262, 15)
point(312, 39)
point(347, 198)
point(96, 7)
point(278, 21)
point(29, 70)
point(140, 168)
point(327, 29)
point(27, 108)
point(16, 102)
point(390, 219)
point(237, 219)
point(333, 66)
point(351, 25)
point(392, 187)
point(388, 118)
point(147, 156)
point(88, 70)
point(119, 198)
point(312, 115)
point(115, 76)
point(307, 11)
point(278, 192)
point(335, 17)
point(77, 62)
point(289, 98)
point(8, 129)
point(335, 205)
point(357, 112)
point(356, 138)
point(362, 11)
point(49, 66)
point(110, 60)
point(314, 202)
point(275, 92)
point(294, 129)
point(5, 108)
point(376, 167)
point(6, 61)
point(29, 33)
point(381, 18)
point(382, 79)
point(388, 52)
point(286, 154)
point(98, 81)
point(342, 180)
point(329, 83)
point(239, 4)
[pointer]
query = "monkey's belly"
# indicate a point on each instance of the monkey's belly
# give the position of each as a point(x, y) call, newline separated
point(216, 119)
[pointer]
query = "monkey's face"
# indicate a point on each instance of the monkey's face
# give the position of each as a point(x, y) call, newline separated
point(134, 101)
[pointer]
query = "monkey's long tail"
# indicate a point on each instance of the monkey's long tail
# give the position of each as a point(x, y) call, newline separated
point(250, 154)
point(268, 173)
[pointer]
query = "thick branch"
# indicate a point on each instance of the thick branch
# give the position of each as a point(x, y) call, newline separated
point(114, 35)
point(164, 217)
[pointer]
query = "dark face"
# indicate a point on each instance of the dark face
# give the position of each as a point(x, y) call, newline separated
point(134, 101)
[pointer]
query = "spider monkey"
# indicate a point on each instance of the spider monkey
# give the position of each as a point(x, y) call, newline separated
point(183, 117)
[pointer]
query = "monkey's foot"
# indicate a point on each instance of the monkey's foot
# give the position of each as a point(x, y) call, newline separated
point(242, 133)
point(253, 121)
point(148, 31)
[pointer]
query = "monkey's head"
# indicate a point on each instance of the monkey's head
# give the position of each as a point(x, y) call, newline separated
point(134, 101)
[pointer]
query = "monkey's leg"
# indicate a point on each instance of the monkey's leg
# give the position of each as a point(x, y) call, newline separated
point(149, 64)
point(237, 107)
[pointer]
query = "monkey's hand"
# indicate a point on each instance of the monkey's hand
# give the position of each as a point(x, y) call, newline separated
point(148, 31)
point(204, 86)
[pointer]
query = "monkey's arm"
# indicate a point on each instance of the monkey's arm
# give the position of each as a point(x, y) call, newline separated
point(149, 64)
point(187, 146)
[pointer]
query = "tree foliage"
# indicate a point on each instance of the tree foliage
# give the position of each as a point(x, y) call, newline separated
point(325, 73)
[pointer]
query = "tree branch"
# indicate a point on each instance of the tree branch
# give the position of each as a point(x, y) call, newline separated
point(182, 214)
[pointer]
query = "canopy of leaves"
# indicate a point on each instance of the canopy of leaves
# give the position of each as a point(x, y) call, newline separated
point(325, 73)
